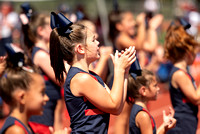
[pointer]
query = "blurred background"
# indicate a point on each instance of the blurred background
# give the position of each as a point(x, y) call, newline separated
point(167, 7)
point(97, 10)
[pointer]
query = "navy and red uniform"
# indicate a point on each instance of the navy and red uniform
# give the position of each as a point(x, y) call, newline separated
point(185, 111)
point(84, 116)
point(133, 129)
point(53, 91)
point(10, 121)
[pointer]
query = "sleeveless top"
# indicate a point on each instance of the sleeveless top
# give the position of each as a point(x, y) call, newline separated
point(133, 129)
point(10, 121)
point(53, 91)
point(179, 101)
point(85, 117)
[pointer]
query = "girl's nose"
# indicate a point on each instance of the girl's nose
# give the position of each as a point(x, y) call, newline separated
point(98, 43)
point(46, 98)
point(96, 35)
point(158, 88)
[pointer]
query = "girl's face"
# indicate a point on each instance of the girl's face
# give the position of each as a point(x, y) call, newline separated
point(92, 47)
point(128, 23)
point(46, 30)
point(35, 96)
point(153, 89)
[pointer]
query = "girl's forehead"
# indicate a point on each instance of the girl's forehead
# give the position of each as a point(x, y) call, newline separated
point(36, 76)
point(154, 80)
point(47, 20)
point(92, 28)
point(89, 33)
point(127, 14)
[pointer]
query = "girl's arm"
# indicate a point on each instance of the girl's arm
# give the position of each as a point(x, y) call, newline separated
point(58, 124)
point(182, 80)
point(15, 129)
point(122, 120)
point(151, 41)
point(84, 85)
point(141, 31)
point(143, 121)
point(42, 59)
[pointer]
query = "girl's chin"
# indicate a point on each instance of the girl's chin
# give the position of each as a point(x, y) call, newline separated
point(131, 33)
point(41, 112)
point(97, 58)
point(38, 113)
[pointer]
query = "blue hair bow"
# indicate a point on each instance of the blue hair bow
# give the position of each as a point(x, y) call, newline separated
point(9, 49)
point(135, 69)
point(17, 59)
point(60, 22)
point(133, 75)
point(26, 8)
point(183, 22)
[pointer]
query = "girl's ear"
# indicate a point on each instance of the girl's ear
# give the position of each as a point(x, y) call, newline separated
point(20, 96)
point(142, 91)
point(40, 31)
point(79, 48)
point(119, 26)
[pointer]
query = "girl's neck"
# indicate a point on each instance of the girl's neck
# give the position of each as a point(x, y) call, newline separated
point(42, 44)
point(22, 116)
point(124, 33)
point(181, 64)
point(82, 65)
point(141, 103)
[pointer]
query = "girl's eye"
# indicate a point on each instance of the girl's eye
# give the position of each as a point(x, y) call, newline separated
point(43, 92)
point(94, 39)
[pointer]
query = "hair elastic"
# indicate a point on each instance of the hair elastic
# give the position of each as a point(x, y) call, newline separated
point(27, 69)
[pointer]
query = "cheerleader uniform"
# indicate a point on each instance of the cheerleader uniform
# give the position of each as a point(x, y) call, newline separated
point(133, 129)
point(185, 111)
point(10, 121)
point(40, 124)
point(85, 117)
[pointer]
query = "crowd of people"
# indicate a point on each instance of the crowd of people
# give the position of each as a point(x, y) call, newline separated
point(52, 59)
